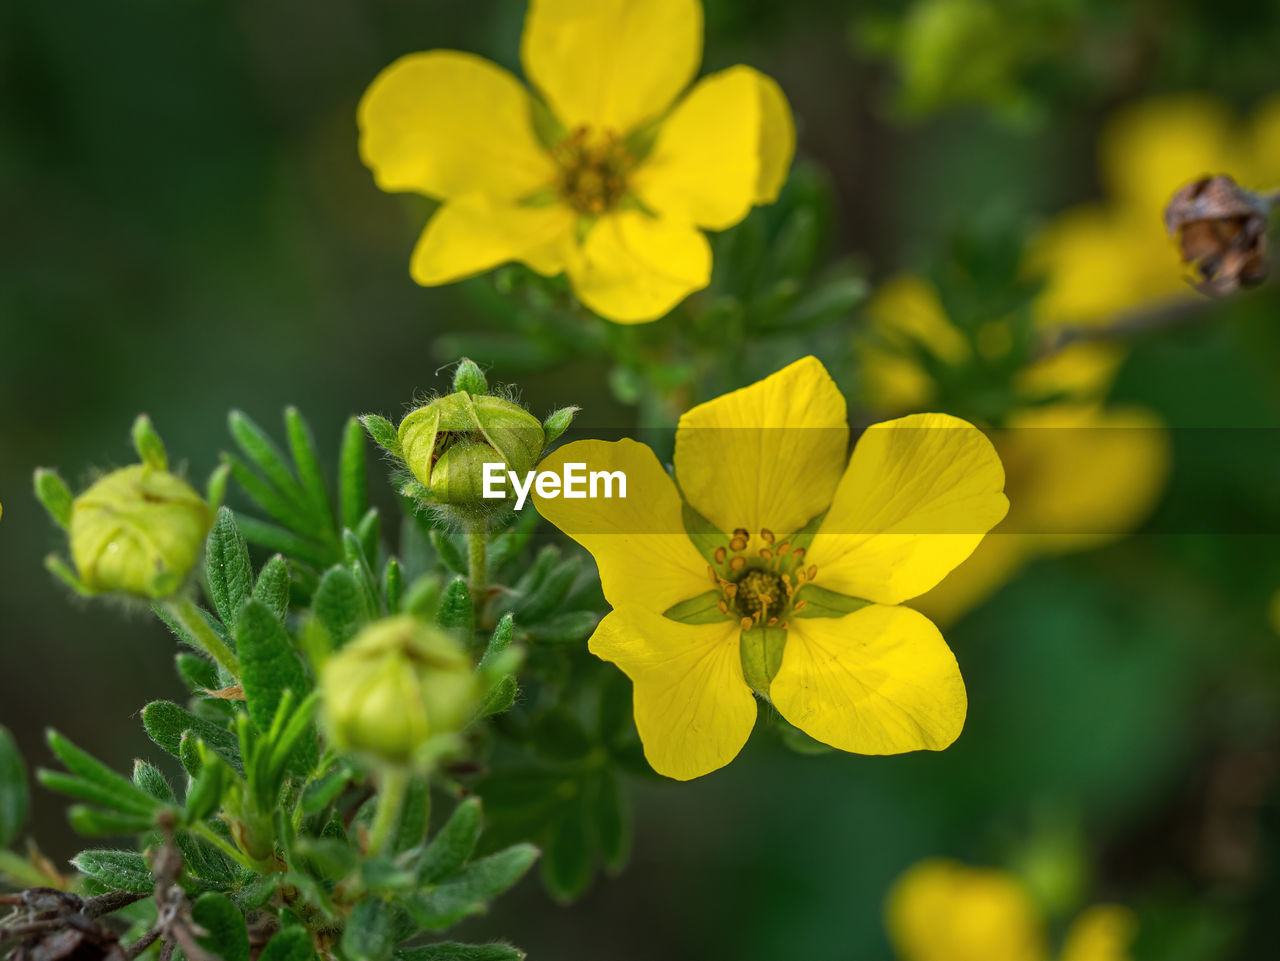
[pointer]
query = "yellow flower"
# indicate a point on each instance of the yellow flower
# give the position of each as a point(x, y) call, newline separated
point(945, 911)
point(605, 173)
point(1079, 474)
point(788, 532)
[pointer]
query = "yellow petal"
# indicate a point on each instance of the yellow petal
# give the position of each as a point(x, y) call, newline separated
point(918, 496)
point(708, 163)
point(474, 233)
point(766, 456)
point(997, 559)
point(639, 544)
point(941, 910)
point(445, 123)
point(1104, 932)
point(635, 268)
point(611, 64)
point(693, 708)
point(878, 681)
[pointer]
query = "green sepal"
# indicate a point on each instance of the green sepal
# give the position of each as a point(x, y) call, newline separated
point(804, 536)
point(706, 537)
point(227, 566)
point(703, 609)
point(225, 936)
point(761, 650)
point(60, 569)
point(383, 433)
point(547, 127)
point(15, 798)
point(54, 494)
point(123, 870)
point(148, 444)
point(468, 377)
point(821, 602)
point(456, 611)
point(558, 422)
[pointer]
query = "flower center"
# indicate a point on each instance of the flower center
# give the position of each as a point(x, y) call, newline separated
point(593, 170)
point(758, 578)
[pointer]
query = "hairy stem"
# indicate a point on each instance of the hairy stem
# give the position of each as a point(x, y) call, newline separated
point(477, 545)
point(193, 622)
point(392, 786)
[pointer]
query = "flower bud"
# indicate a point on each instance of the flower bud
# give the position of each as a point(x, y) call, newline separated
point(398, 684)
point(138, 530)
point(1221, 232)
point(447, 443)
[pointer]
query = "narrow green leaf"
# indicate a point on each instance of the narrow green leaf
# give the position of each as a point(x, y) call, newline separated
point(287, 511)
point(320, 793)
point(272, 586)
point(256, 892)
point(291, 545)
point(415, 813)
point(291, 944)
point(368, 933)
point(468, 377)
point(165, 723)
point(96, 823)
point(456, 612)
point(92, 770)
point(567, 868)
point(383, 433)
point(507, 546)
point(500, 696)
point(268, 664)
point(192, 759)
point(302, 446)
point(268, 458)
point(149, 779)
point(566, 628)
point(125, 870)
point(227, 565)
point(820, 602)
point(54, 494)
point(148, 444)
point(354, 487)
point(14, 796)
point(448, 551)
point(471, 889)
point(558, 422)
point(453, 843)
point(703, 609)
point(369, 533)
point(394, 585)
point(227, 937)
point(454, 951)
point(339, 604)
point(197, 673)
point(499, 640)
point(548, 595)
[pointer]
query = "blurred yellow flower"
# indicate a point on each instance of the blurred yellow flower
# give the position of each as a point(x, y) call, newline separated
point(942, 910)
point(777, 566)
point(605, 173)
point(1079, 473)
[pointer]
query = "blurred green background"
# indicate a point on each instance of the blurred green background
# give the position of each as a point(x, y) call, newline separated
point(187, 228)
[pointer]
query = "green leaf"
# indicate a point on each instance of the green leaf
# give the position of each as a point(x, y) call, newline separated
point(703, 609)
point(354, 483)
point(471, 889)
point(303, 448)
point(192, 761)
point(96, 823)
point(272, 586)
point(256, 892)
point(128, 796)
point(319, 794)
point(368, 933)
point(549, 593)
point(454, 951)
point(447, 550)
point(468, 377)
point(500, 696)
point(453, 843)
point(148, 444)
point(197, 673)
point(611, 821)
point(393, 579)
point(369, 533)
point(14, 797)
point(268, 664)
point(558, 422)
point(227, 565)
point(339, 604)
point(148, 778)
point(227, 937)
point(383, 432)
point(456, 611)
point(291, 944)
point(499, 640)
point(165, 723)
point(291, 545)
point(820, 602)
point(558, 736)
point(125, 870)
point(566, 628)
point(263, 452)
point(52, 492)
point(567, 868)
point(415, 813)
point(706, 537)
point(506, 546)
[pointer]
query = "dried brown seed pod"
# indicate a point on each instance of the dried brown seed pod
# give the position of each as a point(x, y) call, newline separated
point(1221, 232)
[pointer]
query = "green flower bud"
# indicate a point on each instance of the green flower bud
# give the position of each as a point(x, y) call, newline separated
point(447, 443)
point(138, 530)
point(398, 684)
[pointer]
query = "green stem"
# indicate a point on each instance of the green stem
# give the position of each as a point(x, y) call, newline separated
point(477, 545)
point(392, 786)
point(226, 847)
point(189, 616)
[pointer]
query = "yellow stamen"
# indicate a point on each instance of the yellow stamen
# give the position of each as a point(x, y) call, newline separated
point(737, 564)
point(813, 571)
point(801, 605)
point(738, 544)
point(766, 553)
point(784, 547)
point(723, 605)
point(721, 553)
point(745, 623)
point(767, 535)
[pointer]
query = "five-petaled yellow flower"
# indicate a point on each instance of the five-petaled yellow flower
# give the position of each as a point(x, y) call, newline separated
point(603, 174)
point(744, 577)
point(942, 910)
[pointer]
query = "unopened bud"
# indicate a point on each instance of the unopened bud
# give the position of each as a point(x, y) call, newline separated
point(397, 685)
point(1221, 232)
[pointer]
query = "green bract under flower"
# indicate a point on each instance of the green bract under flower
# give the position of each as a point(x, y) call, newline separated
point(138, 530)
point(397, 685)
